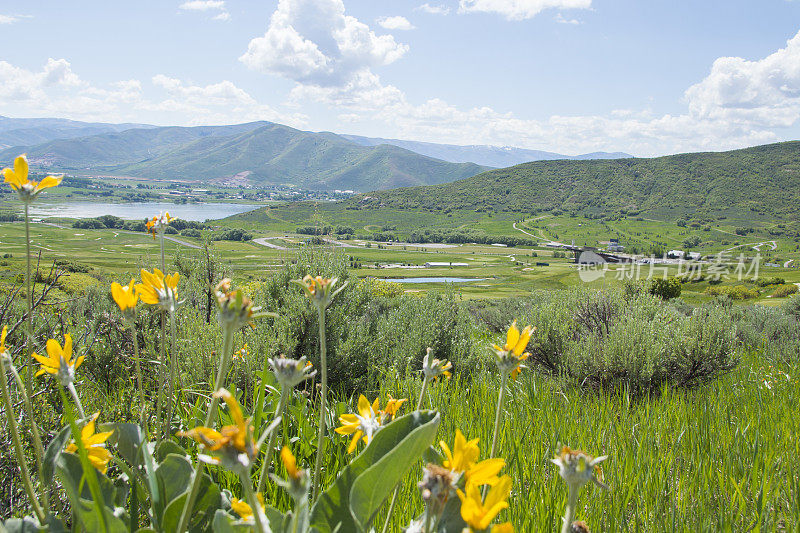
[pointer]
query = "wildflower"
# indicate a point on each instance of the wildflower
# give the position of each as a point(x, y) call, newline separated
point(95, 444)
point(510, 356)
point(160, 290)
point(3, 349)
point(125, 296)
point(392, 406)
point(158, 223)
point(463, 459)
point(242, 353)
point(362, 425)
point(297, 484)
point(478, 514)
point(233, 446)
point(59, 361)
point(436, 487)
point(433, 368)
point(578, 468)
point(241, 507)
point(290, 372)
point(320, 290)
point(234, 308)
point(27, 190)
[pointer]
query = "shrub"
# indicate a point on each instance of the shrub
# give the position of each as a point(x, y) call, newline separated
point(665, 289)
point(738, 292)
point(792, 307)
point(636, 343)
point(785, 290)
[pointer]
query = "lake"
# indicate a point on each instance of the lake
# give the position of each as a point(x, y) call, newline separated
point(139, 210)
point(433, 280)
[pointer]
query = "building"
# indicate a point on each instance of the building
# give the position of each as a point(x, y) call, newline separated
point(442, 264)
point(676, 254)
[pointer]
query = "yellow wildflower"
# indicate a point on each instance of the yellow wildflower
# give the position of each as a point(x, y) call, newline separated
point(125, 296)
point(231, 446)
point(94, 443)
point(3, 340)
point(510, 356)
point(392, 406)
point(59, 361)
point(577, 468)
point(432, 368)
point(158, 223)
point(478, 514)
point(362, 425)
point(464, 459)
point(290, 463)
point(242, 352)
point(241, 507)
point(157, 289)
point(320, 290)
point(17, 178)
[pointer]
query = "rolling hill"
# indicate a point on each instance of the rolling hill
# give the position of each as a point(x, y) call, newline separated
point(490, 156)
point(32, 131)
point(259, 153)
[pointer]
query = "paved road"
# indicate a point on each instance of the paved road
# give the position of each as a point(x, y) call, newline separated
point(264, 241)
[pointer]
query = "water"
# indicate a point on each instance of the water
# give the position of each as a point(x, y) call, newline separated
point(433, 280)
point(139, 211)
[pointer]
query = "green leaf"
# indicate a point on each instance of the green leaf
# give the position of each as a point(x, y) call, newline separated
point(376, 483)
point(225, 523)
point(21, 525)
point(71, 473)
point(167, 447)
point(174, 476)
point(128, 438)
point(52, 454)
point(409, 435)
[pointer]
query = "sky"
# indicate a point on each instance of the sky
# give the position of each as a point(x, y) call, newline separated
point(646, 77)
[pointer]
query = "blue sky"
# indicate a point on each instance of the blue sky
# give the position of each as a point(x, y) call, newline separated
point(645, 77)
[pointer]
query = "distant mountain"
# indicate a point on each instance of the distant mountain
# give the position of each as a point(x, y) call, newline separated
point(31, 131)
point(254, 153)
point(490, 156)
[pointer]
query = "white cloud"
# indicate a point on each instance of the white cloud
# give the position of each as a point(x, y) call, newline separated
point(561, 19)
point(56, 91)
point(208, 5)
point(438, 9)
point(313, 42)
point(519, 9)
point(395, 23)
point(763, 93)
point(8, 19)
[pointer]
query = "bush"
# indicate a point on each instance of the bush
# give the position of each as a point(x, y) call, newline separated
point(665, 289)
point(785, 290)
point(614, 341)
point(792, 307)
point(739, 292)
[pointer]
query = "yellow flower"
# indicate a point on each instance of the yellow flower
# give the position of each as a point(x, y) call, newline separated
point(59, 361)
point(241, 353)
point(392, 406)
point(505, 527)
point(3, 340)
point(125, 296)
point(243, 509)
point(157, 289)
point(290, 463)
point(17, 178)
point(320, 290)
point(234, 444)
point(158, 223)
point(94, 443)
point(510, 356)
point(432, 368)
point(479, 514)
point(577, 468)
point(464, 458)
point(364, 424)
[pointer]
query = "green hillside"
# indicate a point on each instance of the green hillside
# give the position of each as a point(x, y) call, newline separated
point(752, 182)
point(257, 153)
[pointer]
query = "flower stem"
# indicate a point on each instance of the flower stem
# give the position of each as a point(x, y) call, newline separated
point(572, 503)
point(162, 373)
point(255, 505)
point(271, 443)
point(135, 339)
point(18, 450)
point(35, 437)
point(498, 415)
point(74, 394)
point(323, 356)
point(29, 301)
point(397, 489)
point(173, 372)
point(211, 415)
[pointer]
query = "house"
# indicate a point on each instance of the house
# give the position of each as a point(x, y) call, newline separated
point(676, 254)
point(693, 256)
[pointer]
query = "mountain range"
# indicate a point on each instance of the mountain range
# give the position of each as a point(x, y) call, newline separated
point(255, 153)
